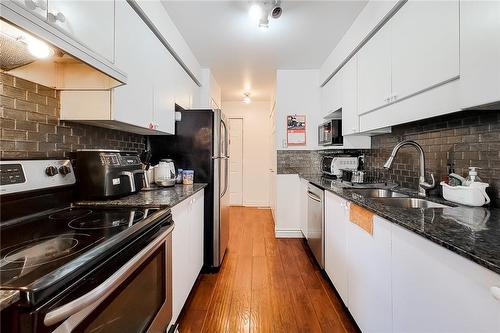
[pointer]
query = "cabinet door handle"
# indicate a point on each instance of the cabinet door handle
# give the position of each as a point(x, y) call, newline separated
point(495, 291)
point(32, 5)
point(53, 18)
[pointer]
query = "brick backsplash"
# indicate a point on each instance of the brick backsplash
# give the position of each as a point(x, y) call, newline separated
point(306, 162)
point(30, 125)
point(462, 139)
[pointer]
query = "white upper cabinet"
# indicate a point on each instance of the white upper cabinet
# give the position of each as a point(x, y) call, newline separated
point(436, 290)
point(135, 46)
point(147, 101)
point(369, 260)
point(163, 90)
point(416, 50)
point(479, 52)
point(90, 22)
point(350, 117)
point(424, 47)
point(36, 7)
point(336, 261)
point(331, 94)
point(374, 71)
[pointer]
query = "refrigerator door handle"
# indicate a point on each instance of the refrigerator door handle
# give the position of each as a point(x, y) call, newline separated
point(226, 158)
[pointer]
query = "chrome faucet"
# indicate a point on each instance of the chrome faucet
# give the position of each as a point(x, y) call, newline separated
point(422, 184)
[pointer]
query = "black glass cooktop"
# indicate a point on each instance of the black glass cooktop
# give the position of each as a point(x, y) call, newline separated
point(38, 251)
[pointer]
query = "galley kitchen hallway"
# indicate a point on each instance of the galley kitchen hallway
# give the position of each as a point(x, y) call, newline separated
point(265, 285)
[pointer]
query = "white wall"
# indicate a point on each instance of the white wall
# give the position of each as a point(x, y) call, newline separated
point(298, 92)
point(256, 147)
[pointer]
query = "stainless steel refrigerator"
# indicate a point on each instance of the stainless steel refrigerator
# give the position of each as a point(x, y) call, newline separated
point(201, 143)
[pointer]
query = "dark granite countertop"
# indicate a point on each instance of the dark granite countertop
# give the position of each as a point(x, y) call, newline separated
point(472, 232)
point(161, 197)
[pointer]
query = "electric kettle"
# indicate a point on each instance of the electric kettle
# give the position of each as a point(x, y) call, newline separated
point(165, 173)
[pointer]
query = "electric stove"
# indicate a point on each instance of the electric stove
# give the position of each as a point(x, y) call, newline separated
point(50, 249)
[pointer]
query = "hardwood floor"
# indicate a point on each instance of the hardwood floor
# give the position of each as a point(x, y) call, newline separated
point(264, 285)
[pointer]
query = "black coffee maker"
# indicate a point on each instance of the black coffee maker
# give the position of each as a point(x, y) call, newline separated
point(103, 174)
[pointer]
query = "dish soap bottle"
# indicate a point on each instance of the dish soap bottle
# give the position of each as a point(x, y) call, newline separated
point(472, 177)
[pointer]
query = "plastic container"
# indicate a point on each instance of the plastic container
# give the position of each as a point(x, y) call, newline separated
point(178, 179)
point(472, 195)
point(187, 177)
point(472, 177)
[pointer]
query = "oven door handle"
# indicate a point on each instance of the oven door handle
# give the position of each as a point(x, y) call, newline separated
point(108, 286)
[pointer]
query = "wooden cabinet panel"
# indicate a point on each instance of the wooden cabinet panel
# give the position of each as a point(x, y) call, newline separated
point(374, 71)
point(90, 22)
point(336, 259)
point(436, 290)
point(369, 260)
point(424, 47)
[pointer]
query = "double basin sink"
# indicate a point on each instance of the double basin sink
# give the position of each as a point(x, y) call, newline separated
point(395, 199)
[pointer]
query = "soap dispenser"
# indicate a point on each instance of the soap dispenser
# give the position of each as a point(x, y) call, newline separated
point(472, 177)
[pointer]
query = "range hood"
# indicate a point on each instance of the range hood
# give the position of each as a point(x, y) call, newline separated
point(29, 57)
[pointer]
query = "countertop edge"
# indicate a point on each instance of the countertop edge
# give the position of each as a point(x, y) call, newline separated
point(128, 201)
point(440, 242)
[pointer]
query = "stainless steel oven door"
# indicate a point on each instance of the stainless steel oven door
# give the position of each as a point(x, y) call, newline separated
point(137, 297)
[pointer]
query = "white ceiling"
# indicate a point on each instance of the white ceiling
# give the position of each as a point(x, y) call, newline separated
point(242, 57)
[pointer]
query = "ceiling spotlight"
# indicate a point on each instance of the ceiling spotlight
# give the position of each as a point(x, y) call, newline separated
point(255, 12)
point(277, 10)
point(246, 99)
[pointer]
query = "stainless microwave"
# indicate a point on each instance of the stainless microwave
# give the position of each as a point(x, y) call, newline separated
point(330, 133)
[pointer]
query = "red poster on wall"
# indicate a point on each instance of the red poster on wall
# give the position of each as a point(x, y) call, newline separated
point(296, 130)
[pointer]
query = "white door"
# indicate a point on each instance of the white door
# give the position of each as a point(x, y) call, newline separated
point(163, 103)
point(436, 290)
point(89, 22)
point(273, 164)
point(425, 46)
point(350, 117)
point(135, 47)
point(374, 71)
point(370, 301)
point(236, 162)
point(336, 260)
point(479, 52)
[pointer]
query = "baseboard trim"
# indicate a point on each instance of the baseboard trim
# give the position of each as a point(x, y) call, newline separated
point(256, 204)
point(288, 233)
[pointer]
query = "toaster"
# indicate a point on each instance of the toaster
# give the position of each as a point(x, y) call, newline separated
point(333, 165)
point(102, 174)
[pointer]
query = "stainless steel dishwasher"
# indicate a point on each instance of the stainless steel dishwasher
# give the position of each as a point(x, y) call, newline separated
point(315, 223)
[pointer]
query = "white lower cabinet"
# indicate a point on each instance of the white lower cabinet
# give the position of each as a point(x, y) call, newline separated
point(336, 263)
point(369, 260)
point(187, 249)
point(436, 290)
point(398, 281)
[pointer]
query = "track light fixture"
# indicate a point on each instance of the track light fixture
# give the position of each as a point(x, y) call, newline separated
point(260, 11)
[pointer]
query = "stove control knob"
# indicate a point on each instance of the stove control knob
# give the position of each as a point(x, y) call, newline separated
point(51, 171)
point(64, 170)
